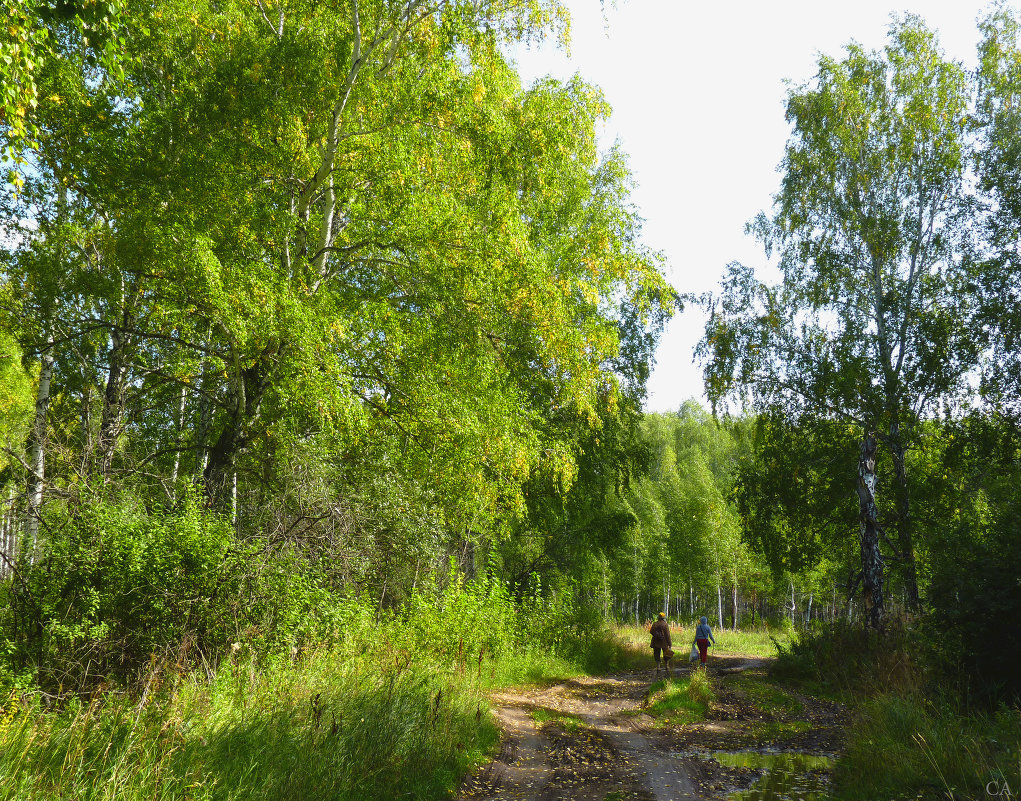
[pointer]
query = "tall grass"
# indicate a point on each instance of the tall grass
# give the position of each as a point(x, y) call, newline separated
point(912, 737)
point(905, 747)
point(761, 642)
point(328, 727)
point(388, 709)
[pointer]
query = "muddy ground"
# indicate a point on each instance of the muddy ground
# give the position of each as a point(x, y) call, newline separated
point(593, 739)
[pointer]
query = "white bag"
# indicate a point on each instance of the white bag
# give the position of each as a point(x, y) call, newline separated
point(693, 656)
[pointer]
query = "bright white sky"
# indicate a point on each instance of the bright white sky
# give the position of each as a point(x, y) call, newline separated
point(697, 92)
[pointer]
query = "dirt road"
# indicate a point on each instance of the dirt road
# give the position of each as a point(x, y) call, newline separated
point(594, 739)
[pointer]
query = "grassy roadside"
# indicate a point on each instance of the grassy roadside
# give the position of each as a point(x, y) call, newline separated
point(909, 747)
point(913, 736)
point(366, 718)
point(324, 727)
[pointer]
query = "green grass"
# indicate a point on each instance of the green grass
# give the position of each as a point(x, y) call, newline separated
point(568, 722)
point(365, 720)
point(681, 700)
point(326, 728)
point(902, 747)
point(751, 642)
point(769, 730)
point(760, 642)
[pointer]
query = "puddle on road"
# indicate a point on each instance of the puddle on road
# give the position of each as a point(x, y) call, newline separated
point(789, 776)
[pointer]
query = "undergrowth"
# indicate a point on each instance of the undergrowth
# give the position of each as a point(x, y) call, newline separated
point(915, 735)
point(385, 709)
point(849, 661)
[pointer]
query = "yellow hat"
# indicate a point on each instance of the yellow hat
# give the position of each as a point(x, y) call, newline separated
point(662, 614)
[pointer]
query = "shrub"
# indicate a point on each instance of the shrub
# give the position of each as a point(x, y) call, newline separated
point(848, 659)
point(121, 590)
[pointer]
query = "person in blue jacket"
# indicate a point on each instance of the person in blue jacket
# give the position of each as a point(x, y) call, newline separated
point(703, 635)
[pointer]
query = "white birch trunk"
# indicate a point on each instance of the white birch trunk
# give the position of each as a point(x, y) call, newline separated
point(719, 605)
point(734, 621)
point(4, 543)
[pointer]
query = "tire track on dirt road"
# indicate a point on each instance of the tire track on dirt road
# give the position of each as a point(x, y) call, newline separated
point(607, 757)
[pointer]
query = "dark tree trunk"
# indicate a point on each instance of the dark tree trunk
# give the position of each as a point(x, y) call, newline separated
point(871, 561)
point(112, 420)
point(250, 385)
point(113, 398)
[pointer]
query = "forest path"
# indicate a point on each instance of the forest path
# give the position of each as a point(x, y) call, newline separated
point(591, 739)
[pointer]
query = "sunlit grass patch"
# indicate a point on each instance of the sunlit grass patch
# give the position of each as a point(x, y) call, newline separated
point(759, 642)
point(681, 700)
point(751, 642)
point(566, 721)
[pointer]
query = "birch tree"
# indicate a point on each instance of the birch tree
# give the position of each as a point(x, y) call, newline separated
point(869, 321)
point(998, 122)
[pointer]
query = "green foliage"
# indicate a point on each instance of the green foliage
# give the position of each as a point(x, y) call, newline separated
point(870, 324)
point(120, 589)
point(16, 401)
point(972, 470)
point(388, 710)
point(792, 492)
point(998, 121)
point(261, 279)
